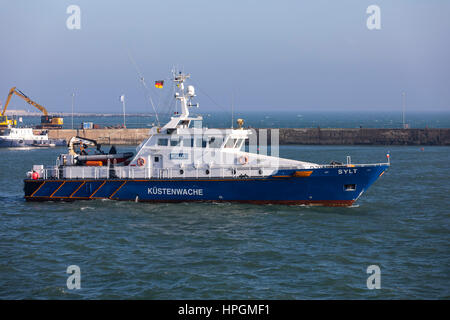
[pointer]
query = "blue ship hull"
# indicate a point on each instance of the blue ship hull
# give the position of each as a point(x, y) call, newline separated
point(337, 186)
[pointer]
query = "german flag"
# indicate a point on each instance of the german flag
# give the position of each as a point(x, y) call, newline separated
point(159, 84)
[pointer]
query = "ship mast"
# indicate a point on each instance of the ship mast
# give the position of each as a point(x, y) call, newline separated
point(183, 95)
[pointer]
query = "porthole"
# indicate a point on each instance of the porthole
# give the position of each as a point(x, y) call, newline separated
point(207, 171)
point(181, 171)
point(260, 171)
point(349, 187)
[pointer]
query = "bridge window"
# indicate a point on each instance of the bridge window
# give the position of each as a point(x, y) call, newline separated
point(184, 123)
point(238, 143)
point(215, 142)
point(188, 142)
point(174, 143)
point(200, 143)
point(230, 143)
point(163, 142)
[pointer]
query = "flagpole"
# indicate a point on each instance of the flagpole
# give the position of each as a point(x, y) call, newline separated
point(73, 96)
point(403, 109)
point(122, 98)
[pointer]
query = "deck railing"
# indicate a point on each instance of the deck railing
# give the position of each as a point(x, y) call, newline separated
point(131, 172)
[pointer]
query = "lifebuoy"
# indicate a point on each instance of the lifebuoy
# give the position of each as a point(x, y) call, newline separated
point(140, 162)
point(243, 160)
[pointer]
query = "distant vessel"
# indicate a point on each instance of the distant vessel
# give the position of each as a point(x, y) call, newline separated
point(183, 161)
point(24, 137)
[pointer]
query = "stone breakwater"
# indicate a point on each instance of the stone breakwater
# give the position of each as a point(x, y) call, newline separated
point(104, 136)
point(436, 137)
point(311, 136)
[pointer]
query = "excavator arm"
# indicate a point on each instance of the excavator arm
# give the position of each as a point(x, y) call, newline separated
point(11, 92)
point(22, 95)
point(47, 121)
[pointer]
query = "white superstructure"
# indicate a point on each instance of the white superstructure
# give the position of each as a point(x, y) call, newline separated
point(185, 148)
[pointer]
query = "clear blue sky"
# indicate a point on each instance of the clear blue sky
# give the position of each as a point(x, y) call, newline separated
point(274, 55)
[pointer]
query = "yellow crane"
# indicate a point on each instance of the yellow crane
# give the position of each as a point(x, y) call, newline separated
point(4, 121)
point(47, 121)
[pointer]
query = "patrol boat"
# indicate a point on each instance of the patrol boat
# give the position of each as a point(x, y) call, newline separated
point(184, 161)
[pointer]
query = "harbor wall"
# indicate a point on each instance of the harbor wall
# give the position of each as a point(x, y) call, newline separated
point(363, 136)
point(103, 136)
point(310, 136)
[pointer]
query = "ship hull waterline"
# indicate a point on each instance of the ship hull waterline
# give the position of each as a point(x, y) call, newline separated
point(324, 187)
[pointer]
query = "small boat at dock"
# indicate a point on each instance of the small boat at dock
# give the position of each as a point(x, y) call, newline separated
point(13, 137)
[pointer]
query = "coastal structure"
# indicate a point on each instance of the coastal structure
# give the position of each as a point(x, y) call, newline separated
point(307, 136)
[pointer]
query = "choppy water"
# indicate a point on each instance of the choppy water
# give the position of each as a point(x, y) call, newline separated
point(209, 251)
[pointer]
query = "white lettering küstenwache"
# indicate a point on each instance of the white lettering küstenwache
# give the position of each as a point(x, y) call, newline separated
point(175, 191)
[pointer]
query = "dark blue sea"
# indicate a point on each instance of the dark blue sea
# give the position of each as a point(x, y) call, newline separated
point(128, 250)
point(272, 119)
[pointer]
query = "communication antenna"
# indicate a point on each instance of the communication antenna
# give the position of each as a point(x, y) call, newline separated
point(122, 99)
point(142, 80)
point(73, 97)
